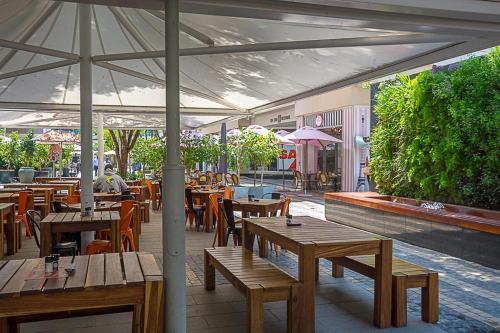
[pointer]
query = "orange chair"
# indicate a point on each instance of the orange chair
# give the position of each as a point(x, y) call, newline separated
point(22, 208)
point(153, 196)
point(228, 193)
point(73, 199)
point(214, 201)
point(102, 246)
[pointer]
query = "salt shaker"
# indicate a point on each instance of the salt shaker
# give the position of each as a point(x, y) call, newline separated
point(49, 265)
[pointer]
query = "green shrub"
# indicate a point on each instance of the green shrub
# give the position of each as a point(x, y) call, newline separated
point(437, 136)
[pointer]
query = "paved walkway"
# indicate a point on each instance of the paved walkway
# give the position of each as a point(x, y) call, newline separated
point(469, 293)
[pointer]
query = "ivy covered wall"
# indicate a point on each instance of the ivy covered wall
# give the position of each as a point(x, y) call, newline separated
point(438, 134)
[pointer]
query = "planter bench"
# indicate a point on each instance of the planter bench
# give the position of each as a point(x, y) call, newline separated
point(405, 275)
point(259, 280)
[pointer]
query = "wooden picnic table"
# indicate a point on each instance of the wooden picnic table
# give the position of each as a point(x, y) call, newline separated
point(99, 282)
point(316, 239)
point(74, 222)
point(204, 197)
point(8, 213)
point(40, 200)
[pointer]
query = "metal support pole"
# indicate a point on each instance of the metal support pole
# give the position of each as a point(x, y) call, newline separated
point(87, 200)
point(174, 238)
point(223, 155)
point(100, 143)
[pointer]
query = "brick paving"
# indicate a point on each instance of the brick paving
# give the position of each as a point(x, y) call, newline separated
point(469, 293)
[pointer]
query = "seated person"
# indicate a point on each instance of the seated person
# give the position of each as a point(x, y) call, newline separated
point(109, 182)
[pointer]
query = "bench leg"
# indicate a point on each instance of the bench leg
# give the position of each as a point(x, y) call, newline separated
point(137, 318)
point(153, 305)
point(337, 270)
point(399, 299)
point(430, 299)
point(209, 273)
point(294, 308)
point(7, 325)
point(255, 310)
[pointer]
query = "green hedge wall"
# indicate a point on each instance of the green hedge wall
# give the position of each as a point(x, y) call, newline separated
point(437, 136)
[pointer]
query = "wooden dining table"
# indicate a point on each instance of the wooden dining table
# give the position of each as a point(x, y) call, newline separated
point(99, 282)
point(75, 222)
point(70, 188)
point(8, 214)
point(259, 207)
point(203, 195)
point(105, 196)
point(106, 206)
point(315, 239)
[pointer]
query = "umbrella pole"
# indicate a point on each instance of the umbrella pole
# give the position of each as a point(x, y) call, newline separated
point(305, 167)
point(60, 160)
point(283, 168)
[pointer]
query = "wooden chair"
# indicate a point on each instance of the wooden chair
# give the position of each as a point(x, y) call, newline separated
point(229, 179)
point(243, 268)
point(196, 210)
point(236, 179)
point(63, 249)
point(323, 180)
point(405, 275)
point(219, 178)
point(298, 180)
point(233, 225)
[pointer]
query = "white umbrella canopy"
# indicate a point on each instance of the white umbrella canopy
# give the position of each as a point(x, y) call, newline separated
point(222, 82)
point(281, 138)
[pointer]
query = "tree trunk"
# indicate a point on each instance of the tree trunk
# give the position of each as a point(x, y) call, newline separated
point(123, 142)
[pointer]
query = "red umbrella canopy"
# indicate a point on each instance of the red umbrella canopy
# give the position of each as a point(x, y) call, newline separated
point(307, 134)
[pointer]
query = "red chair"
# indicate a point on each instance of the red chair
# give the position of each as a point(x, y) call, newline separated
point(22, 208)
point(153, 196)
point(126, 232)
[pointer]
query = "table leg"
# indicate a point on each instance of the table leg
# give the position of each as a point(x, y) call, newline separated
point(2, 233)
point(153, 305)
point(221, 228)
point(248, 238)
point(383, 285)
point(209, 217)
point(263, 248)
point(45, 239)
point(307, 274)
point(115, 236)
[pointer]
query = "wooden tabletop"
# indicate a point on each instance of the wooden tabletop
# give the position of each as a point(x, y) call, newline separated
point(210, 191)
point(75, 222)
point(256, 202)
point(315, 239)
point(98, 281)
point(109, 196)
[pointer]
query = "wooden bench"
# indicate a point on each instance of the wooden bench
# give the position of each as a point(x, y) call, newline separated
point(259, 280)
point(405, 275)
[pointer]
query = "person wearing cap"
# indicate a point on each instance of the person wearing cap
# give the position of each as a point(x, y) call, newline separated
point(109, 182)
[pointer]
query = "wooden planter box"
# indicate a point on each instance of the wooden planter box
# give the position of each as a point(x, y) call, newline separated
point(464, 232)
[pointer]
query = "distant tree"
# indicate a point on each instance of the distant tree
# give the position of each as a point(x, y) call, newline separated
point(123, 141)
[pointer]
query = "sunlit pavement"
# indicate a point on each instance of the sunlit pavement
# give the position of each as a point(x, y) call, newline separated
point(469, 293)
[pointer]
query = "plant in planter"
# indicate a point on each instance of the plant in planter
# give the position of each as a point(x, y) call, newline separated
point(210, 150)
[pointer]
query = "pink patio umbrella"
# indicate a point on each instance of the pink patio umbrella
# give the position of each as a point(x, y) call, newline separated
point(307, 135)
